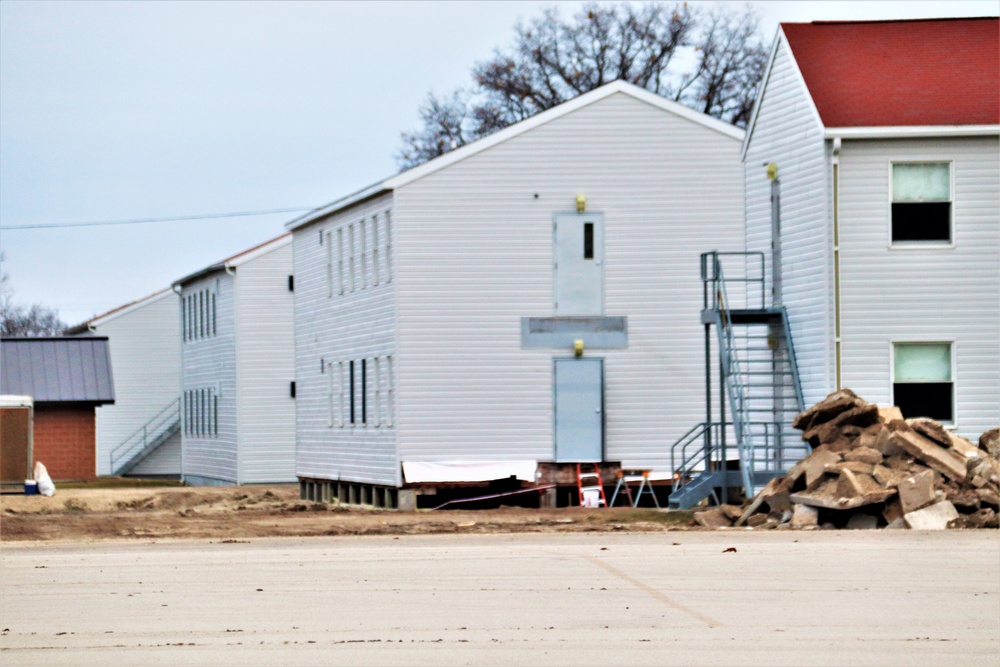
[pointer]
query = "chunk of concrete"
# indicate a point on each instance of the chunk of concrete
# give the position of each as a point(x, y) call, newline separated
point(712, 518)
point(888, 477)
point(851, 484)
point(756, 520)
point(916, 491)
point(932, 517)
point(862, 521)
point(867, 455)
point(804, 515)
point(930, 453)
point(815, 464)
point(897, 524)
point(892, 511)
point(930, 429)
point(827, 409)
point(989, 442)
point(857, 467)
point(732, 512)
point(890, 414)
point(989, 497)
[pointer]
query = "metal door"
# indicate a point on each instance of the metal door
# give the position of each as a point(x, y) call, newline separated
point(579, 409)
point(578, 257)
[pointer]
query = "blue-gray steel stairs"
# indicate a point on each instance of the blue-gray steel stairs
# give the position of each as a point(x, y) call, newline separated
point(757, 380)
point(147, 438)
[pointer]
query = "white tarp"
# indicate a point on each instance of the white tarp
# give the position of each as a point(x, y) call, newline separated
point(420, 472)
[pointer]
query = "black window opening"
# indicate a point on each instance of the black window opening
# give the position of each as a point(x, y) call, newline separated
point(351, 379)
point(925, 399)
point(588, 240)
point(214, 319)
point(364, 392)
point(921, 221)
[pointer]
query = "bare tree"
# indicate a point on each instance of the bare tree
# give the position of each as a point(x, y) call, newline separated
point(552, 60)
point(20, 320)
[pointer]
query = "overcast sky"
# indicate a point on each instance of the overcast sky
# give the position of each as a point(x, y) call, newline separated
point(124, 110)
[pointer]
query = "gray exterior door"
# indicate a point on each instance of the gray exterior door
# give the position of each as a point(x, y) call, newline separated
point(579, 409)
point(578, 257)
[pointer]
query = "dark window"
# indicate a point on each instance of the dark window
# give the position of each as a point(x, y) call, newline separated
point(215, 409)
point(588, 240)
point(925, 399)
point(921, 202)
point(364, 391)
point(291, 283)
point(291, 389)
point(213, 316)
point(924, 221)
point(351, 380)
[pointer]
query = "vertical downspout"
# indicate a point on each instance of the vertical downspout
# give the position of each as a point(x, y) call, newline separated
point(835, 168)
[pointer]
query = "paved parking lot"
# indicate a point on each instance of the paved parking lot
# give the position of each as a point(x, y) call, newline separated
point(781, 598)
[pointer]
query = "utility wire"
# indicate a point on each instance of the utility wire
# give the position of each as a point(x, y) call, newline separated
point(137, 221)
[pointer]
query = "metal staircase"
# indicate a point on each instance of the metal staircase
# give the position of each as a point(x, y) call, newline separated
point(148, 437)
point(756, 366)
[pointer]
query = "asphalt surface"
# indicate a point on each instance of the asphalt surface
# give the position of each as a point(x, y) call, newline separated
point(684, 598)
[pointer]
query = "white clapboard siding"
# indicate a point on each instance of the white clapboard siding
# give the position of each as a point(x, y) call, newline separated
point(333, 327)
point(265, 368)
point(211, 363)
point(930, 293)
point(144, 341)
point(788, 132)
point(474, 255)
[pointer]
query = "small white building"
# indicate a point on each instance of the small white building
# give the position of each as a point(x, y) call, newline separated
point(237, 387)
point(140, 433)
point(889, 167)
point(436, 312)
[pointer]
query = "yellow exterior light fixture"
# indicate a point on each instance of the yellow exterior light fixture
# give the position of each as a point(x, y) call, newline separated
point(578, 348)
point(772, 171)
point(581, 203)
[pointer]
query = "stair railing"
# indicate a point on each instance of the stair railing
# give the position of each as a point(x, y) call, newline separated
point(146, 435)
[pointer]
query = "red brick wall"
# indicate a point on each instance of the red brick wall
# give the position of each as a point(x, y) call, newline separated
point(65, 441)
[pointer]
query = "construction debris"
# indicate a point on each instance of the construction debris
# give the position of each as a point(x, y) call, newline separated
point(870, 468)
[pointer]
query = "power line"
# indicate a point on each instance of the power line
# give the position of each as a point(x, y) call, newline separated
point(138, 221)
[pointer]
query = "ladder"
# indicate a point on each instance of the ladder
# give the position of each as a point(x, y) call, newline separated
point(590, 487)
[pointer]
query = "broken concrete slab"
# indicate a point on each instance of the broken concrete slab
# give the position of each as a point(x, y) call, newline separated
point(916, 491)
point(989, 497)
point(893, 510)
point(814, 465)
point(712, 518)
point(932, 517)
point(930, 429)
point(931, 453)
point(864, 455)
point(732, 512)
point(827, 409)
point(890, 414)
point(888, 477)
point(835, 502)
point(989, 442)
point(854, 466)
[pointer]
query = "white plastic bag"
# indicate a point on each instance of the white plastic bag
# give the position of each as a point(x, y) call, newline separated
point(42, 479)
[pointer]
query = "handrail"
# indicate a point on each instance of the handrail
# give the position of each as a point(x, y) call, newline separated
point(153, 429)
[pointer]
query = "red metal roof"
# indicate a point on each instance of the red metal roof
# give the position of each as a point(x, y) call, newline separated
point(885, 73)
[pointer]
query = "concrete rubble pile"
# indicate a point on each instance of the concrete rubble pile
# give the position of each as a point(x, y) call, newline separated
point(871, 468)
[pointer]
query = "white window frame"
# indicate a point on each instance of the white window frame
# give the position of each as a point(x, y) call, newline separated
point(363, 251)
point(923, 245)
point(351, 253)
point(390, 391)
point(950, 425)
point(340, 260)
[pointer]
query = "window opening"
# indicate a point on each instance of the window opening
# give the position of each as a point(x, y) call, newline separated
point(215, 410)
point(390, 398)
point(352, 390)
point(588, 240)
point(364, 391)
point(340, 394)
point(376, 269)
point(923, 383)
point(353, 252)
point(378, 391)
point(340, 259)
point(921, 202)
point(329, 267)
point(363, 248)
point(215, 318)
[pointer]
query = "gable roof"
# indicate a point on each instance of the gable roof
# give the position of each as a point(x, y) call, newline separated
point(900, 73)
point(236, 260)
point(104, 318)
point(517, 129)
point(58, 369)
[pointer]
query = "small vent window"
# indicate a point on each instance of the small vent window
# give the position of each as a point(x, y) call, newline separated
point(588, 240)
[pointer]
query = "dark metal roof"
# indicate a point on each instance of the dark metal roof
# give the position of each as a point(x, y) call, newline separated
point(59, 369)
